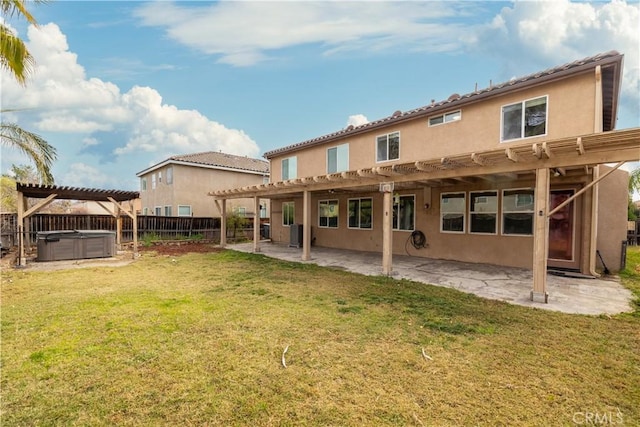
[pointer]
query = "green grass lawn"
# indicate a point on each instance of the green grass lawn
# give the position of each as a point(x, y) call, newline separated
point(199, 340)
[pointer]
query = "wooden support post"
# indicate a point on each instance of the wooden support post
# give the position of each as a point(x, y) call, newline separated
point(20, 201)
point(540, 236)
point(223, 223)
point(256, 224)
point(306, 225)
point(387, 232)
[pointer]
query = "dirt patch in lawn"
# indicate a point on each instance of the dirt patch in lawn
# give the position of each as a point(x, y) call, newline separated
point(180, 248)
point(124, 257)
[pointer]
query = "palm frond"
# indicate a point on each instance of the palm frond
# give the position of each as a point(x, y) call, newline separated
point(14, 56)
point(34, 146)
point(18, 7)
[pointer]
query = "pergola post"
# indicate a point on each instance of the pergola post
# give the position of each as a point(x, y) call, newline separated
point(256, 224)
point(223, 223)
point(387, 229)
point(540, 236)
point(306, 225)
point(22, 260)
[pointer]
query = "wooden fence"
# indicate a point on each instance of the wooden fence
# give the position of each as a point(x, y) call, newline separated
point(160, 227)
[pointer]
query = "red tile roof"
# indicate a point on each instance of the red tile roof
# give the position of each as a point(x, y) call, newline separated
point(456, 100)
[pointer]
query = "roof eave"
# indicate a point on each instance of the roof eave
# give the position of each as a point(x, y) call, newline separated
point(466, 99)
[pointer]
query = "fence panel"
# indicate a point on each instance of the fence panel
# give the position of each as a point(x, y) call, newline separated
point(162, 227)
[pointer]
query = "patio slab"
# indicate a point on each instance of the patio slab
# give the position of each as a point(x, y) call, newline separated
point(604, 295)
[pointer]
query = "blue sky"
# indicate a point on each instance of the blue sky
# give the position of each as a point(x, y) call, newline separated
point(122, 85)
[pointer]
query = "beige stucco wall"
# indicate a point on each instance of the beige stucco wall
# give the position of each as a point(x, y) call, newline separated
point(571, 110)
point(191, 186)
point(613, 197)
point(509, 250)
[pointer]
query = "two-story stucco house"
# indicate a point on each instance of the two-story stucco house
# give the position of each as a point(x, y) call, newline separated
point(514, 174)
point(178, 186)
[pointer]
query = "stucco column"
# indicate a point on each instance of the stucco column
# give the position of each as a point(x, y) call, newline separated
point(223, 223)
point(540, 236)
point(256, 224)
point(387, 232)
point(306, 225)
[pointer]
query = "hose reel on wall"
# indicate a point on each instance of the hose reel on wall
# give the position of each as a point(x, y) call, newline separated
point(417, 239)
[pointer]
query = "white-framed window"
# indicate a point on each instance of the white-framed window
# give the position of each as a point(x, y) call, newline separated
point(338, 158)
point(157, 211)
point(169, 179)
point(240, 211)
point(145, 211)
point(167, 210)
point(288, 213)
point(524, 119)
point(159, 176)
point(517, 212)
point(360, 213)
point(452, 116)
point(184, 210)
point(483, 212)
point(404, 212)
point(289, 168)
point(153, 181)
point(388, 147)
point(328, 213)
point(452, 212)
point(143, 184)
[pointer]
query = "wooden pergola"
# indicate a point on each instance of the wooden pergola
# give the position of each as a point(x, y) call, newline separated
point(535, 160)
point(51, 192)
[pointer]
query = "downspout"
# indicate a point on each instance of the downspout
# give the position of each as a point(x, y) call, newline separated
point(597, 128)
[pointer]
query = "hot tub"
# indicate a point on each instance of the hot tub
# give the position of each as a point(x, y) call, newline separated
point(75, 244)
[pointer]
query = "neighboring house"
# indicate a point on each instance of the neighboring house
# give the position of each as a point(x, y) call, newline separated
point(178, 186)
point(89, 207)
point(472, 178)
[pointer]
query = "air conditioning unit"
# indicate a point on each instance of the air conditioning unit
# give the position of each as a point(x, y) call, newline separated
point(295, 237)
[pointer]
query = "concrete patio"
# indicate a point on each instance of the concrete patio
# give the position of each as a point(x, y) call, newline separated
point(604, 295)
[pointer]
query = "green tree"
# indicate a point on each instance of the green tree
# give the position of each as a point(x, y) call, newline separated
point(634, 180)
point(8, 194)
point(15, 58)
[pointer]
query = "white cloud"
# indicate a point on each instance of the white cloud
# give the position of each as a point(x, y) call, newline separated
point(554, 32)
point(60, 98)
point(85, 176)
point(357, 120)
point(245, 33)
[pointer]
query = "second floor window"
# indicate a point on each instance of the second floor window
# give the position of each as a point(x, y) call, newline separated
point(338, 158)
point(170, 175)
point(445, 118)
point(289, 168)
point(143, 184)
point(153, 181)
point(524, 119)
point(388, 147)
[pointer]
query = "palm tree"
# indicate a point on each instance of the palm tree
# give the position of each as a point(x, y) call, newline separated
point(15, 57)
point(37, 149)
